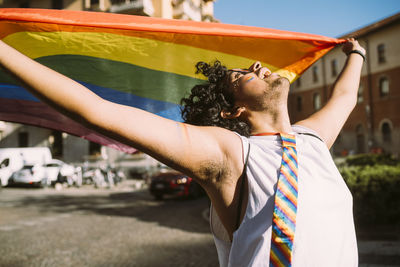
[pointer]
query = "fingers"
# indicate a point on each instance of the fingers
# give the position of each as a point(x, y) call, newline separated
point(352, 44)
point(352, 40)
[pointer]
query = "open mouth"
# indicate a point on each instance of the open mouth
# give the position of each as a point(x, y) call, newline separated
point(265, 73)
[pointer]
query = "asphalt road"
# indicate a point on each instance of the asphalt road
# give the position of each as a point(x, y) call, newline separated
point(125, 227)
point(89, 227)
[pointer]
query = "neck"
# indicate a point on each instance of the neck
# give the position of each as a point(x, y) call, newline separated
point(270, 121)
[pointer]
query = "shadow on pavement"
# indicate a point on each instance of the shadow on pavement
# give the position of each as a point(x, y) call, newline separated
point(166, 255)
point(172, 213)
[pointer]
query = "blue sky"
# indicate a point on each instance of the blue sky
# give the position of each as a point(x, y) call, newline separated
point(330, 18)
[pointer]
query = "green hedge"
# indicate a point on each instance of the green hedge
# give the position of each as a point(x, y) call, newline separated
point(371, 160)
point(375, 189)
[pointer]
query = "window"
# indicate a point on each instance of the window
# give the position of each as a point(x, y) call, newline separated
point(94, 149)
point(52, 165)
point(315, 74)
point(299, 103)
point(381, 53)
point(23, 139)
point(57, 145)
point(5, 163)
point(360, 139)
point(57, 4)
point(359, 129)
point(298, 82)
point(360, 94)
point(25, 4)
point(386, 132)
point(334, 67)
point(317, 101)
point(383, 86)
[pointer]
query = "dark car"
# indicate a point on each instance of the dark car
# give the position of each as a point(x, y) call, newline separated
point(174, 183)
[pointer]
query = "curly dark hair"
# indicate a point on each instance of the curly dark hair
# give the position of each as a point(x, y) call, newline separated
point(206, 101)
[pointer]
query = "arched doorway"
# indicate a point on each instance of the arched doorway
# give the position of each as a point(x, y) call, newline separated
point(360, 139)
point(386, 131)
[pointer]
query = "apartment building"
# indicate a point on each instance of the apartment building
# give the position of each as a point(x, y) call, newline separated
point(374, 125)
point(197, 10)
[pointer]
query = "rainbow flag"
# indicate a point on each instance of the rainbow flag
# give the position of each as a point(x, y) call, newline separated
point(142, 62)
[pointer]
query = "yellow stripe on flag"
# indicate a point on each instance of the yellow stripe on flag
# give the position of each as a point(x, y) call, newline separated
point(143, 52)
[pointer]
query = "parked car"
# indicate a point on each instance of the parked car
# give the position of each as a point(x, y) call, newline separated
point(58, 171)
point(50, 173)
point(13, 160)
point(171, 182)
point(30, 175)
point(6, 171)
point(10, 161)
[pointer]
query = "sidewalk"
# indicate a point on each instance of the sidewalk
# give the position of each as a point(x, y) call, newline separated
point(379, 253)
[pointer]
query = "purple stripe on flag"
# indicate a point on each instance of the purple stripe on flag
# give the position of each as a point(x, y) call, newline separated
point(40, 114)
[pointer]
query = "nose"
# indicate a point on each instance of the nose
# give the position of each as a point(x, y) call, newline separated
point(255, 67)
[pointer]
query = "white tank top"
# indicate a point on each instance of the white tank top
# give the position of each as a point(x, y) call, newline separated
point(325, 234)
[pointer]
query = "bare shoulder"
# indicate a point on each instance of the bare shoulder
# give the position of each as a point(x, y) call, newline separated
point(229, 164)
point(309, 123)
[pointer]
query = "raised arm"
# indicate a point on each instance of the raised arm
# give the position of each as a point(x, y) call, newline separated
point(198, 151)
point(328, 121)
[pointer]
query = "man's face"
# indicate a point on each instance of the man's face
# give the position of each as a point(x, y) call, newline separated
point(256, 86)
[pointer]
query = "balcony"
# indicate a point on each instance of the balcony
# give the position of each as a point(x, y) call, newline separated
point(187, 10)
point(133, 7)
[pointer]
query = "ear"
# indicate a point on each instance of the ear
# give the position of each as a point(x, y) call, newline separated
point(232, 115)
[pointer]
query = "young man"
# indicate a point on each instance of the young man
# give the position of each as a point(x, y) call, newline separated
point(249, 101)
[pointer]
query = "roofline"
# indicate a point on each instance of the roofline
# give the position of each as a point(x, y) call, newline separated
point(372, 27)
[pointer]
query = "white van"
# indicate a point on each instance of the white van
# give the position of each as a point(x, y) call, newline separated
point(13, 159)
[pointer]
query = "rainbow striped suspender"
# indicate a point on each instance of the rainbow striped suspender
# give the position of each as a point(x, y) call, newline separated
point(285, 209)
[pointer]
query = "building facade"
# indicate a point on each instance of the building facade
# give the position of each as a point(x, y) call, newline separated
point(197, 10)
point(374, 125)
point(67, 147)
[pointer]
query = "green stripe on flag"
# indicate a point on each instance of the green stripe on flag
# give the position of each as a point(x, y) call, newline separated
point(123, 77)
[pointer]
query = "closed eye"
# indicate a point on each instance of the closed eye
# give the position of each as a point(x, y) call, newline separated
point(236, 75)
point(243, 71)
point(239, 73)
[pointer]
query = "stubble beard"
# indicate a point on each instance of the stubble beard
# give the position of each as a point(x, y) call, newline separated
point(280, 84)
point(272, 97)
point(275, 94)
